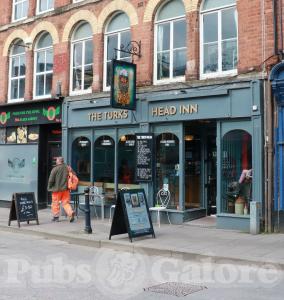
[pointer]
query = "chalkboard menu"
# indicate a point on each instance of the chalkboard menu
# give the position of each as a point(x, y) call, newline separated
point(132, 215)
point(144, 157)
point(23, 208)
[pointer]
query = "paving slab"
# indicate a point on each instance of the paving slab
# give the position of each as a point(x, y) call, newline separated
point(195, 242)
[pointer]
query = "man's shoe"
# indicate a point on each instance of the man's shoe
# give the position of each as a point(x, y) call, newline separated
point(72, 218)
point(55, 219)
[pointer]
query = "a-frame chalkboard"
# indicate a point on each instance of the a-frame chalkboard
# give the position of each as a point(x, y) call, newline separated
point(131, 215)
point(23, 208)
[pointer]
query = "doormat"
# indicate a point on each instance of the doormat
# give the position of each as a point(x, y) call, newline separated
point(175, 289)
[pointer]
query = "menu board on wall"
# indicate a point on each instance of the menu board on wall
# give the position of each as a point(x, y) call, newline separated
point(144, 157)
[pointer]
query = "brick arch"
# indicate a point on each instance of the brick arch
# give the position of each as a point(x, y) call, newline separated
point(83, 15)
point(117, 5)
point(48, 27)
point(189, 5)
point(17, 34)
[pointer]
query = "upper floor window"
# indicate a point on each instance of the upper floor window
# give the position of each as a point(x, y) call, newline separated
point(44, 5)
point(17, 72)
point(117, 34)
point(82, 59)
point(170, 42)
point(219, 38)
point(43, 66)
point(20, 9)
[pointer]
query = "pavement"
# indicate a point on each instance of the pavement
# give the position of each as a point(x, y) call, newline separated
point(195, 241)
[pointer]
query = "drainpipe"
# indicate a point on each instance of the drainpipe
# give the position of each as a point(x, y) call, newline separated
point(275, 27)
point(270, 158)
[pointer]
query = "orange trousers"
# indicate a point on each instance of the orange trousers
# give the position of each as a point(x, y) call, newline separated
point(64, 198)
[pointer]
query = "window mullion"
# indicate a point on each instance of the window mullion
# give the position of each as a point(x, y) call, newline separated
point(219, 41)
point(83, 65)
point(118, 46)
point(171, 48)
point(44, 74)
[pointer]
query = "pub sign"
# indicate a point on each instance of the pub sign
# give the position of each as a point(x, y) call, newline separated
point(123, 86)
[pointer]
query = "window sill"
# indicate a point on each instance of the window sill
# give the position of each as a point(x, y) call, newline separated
point(218, 75)
point(169, 81)
point(44, 11)
point(225, 215)
point(42, 97)
point(15, 100)
point(81, 92)
point(19, 20)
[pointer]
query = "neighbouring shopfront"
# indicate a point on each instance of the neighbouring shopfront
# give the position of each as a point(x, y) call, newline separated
point(208, 148)
point(30, 140)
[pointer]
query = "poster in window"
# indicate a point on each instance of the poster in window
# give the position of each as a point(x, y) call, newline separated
point(123, 86)
point(11, 136)
point(22, 135)
point(33, 134)
point(2, 135)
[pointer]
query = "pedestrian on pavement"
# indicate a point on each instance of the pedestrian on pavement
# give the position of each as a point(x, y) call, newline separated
point(58, 185)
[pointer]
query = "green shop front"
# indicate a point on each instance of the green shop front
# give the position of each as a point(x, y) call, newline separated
point(208, 149)
point(30, 139)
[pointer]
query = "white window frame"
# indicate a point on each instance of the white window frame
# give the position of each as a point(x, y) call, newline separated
point(74, 42)
point(14, 8)
point(155, 73)
point(76, 1)
point(218, 73)
point(44, 96)
point(10, 100)
point(106, 34)
point(38, 12)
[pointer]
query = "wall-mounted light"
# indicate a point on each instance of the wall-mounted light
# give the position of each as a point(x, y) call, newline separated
point(123, 138)
point(189, 137)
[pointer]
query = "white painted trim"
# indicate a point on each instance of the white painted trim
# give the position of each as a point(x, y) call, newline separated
point(44, 73)
point(38, 12)
point(16, 100)
point(16, 78)
point(218, 73)
point(83, 42)
point(155, 71)
point(13, 11)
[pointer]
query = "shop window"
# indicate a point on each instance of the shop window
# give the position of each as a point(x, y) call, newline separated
point(17, 72)
point(117, 34)
point(126, 159)
point(20, 9)
point(43, 66)
point(81, 158)
point(219, 38)
point(236, 176)
point(167, 166)
point(170, 41)
point(82, 59)
point(104, 161)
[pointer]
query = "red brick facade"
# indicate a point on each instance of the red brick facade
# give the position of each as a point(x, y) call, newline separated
point(255, 38)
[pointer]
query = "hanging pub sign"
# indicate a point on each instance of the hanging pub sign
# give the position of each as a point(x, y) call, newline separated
point(123, 85)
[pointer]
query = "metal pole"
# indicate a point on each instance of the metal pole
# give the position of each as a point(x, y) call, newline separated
point(88, 228)
point(269, 158)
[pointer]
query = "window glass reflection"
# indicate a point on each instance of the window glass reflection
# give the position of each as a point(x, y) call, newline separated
point(81, 158)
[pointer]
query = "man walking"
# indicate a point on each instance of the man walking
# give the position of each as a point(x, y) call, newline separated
point(58, 185)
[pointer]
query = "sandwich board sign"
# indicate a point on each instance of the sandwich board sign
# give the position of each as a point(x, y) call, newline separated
point(23, 208)
point(131, 215)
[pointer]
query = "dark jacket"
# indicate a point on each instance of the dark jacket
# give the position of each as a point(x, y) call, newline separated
point(57, 181)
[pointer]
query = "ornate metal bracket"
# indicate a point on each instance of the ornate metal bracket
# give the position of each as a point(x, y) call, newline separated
point(133, 48)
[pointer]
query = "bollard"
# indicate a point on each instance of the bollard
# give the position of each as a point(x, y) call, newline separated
point(88, 228)
point(255, 210)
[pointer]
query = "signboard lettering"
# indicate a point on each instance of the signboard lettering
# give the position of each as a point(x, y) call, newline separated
point(23, 208)
point(171, 110)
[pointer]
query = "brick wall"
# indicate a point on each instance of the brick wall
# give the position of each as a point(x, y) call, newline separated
point(255, 37)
